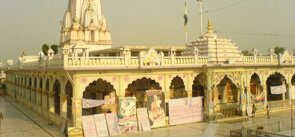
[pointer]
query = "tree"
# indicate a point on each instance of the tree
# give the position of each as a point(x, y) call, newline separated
point(279, 50)
point(54, 48)
point(45, 49)
point(246, 53)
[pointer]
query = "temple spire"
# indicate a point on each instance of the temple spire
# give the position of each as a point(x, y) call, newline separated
point(209, 27)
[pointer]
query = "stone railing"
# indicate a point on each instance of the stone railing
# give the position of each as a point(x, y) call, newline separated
point(119, 62)
point(260, 60)
point(259, 133)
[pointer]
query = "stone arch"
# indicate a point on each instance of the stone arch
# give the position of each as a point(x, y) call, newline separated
point(177, 88)
point(101, 90)
point(56, 92)
point(234, 77)
point(69, 93)
point(47, 88)
point(199, 85)
point(40, 83)
point(227, 91)
point(138, 89)
point(293, 80)
point(256, 73)
point(34, 90)
point(30, 87)
point(275, 79)
point(255, 88)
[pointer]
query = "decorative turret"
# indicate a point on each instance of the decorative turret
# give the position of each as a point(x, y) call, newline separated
point(209, 27)
point(83, 21)
point(217, 50)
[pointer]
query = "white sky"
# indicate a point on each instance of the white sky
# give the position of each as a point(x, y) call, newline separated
point(27, 24)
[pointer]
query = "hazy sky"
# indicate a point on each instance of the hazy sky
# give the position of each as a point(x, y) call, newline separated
point(27, 24)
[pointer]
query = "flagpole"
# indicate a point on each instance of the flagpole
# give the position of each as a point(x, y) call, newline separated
point(185, 23)
point(186, 39)
point(201, 15)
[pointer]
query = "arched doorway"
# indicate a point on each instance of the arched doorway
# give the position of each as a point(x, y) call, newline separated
point(138, 89)
point(41, 88)
point(177, 88)
point(226, 98)
point(56, 90)
point(100, 90)
point(35, 91)
point(69, 93)
point(47, 90)
point(275, 79)
point(256, 89)
point(30, 88)
point(293, 87)
point(227, 91)
point(199, 86)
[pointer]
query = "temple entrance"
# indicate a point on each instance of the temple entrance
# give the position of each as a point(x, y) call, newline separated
point(293, 87)
point(56, 91)
point(226, 98)
point(69, 93)
point(275, 79)
point(177, 88)
point(101, 90)
point(138, 88)
point(256, 89)
point(199, 86)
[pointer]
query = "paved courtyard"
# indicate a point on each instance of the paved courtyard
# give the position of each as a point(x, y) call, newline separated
point(22, 122)
point(19, 121)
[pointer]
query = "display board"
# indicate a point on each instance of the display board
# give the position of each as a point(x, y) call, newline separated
point(156, 108)
point(143, 120)
point(101, 125)
point(127, 114)
point(185, 110)
point(113, 125)
point(89, 126)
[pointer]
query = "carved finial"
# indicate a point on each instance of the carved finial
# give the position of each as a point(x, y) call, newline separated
point(209, 27)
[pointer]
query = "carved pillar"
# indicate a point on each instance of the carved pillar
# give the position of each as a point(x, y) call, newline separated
point(189, 87)
point(44, 100)
point(243, 101)
point(63, 106)
point(51, 101)
point(77, 112)
point(265, 93)
point(210, 101)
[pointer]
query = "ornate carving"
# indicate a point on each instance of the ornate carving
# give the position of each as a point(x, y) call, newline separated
point(152, 58)
point(235, 77)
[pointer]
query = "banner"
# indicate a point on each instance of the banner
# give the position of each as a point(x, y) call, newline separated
point(143, 120)
point(156, 108)
point(90, 103)
point(185, 110)
point(127, 114)
point(278, 89)
point(101, 125)
point(113, 125)
point(89, 126)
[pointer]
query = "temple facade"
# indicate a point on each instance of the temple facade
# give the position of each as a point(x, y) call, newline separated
point(89, 67)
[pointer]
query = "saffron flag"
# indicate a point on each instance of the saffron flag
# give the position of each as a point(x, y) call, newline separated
point(90, 103)
point(185, 15)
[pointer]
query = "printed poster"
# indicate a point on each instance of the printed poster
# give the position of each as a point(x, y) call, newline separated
point(127, 114)
point(185, 110)
point(89, 126)
point(113, 124)
point(101, 125)
point(278, 89)
point(143, 120)
point(156, 108)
